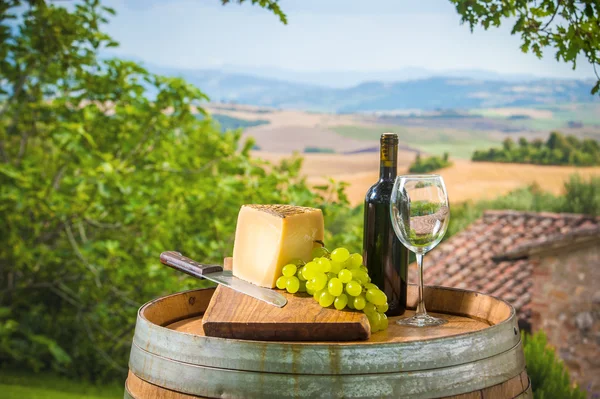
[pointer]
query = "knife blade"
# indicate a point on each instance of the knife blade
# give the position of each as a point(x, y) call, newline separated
point(215, 273)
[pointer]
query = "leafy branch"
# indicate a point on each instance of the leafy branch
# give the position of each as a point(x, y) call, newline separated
point(270, 5)
point(570, 27)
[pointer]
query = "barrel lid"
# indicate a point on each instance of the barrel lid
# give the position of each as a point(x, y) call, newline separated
point(479, 326)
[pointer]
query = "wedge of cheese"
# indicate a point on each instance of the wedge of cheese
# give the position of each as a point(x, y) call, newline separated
point(267, 237)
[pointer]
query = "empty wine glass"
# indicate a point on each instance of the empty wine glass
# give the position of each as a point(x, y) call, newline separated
point(420, 214)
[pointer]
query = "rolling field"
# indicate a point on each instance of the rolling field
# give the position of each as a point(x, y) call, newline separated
point(465, 180)
point(549, 117)
point(460, 144)
point(291, 131)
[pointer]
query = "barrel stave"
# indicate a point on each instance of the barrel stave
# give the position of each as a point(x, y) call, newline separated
point(474, 352)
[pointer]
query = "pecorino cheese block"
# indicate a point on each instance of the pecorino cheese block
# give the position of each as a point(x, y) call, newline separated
point(267, 237)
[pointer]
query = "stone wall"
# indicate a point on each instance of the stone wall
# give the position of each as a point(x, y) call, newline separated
point(566, 305)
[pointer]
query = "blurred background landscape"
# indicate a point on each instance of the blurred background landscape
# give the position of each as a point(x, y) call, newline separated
point(129, 127)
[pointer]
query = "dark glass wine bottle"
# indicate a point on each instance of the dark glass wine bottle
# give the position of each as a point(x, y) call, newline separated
point(384, 255)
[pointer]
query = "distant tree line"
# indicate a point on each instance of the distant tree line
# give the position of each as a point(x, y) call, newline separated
point(429, 164)
point(318, 150)
point(558, 149)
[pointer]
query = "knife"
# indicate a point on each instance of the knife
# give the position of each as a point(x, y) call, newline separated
point(216, 274)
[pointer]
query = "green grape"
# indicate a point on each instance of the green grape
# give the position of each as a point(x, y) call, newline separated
point(383, 308)
point(369, 308)
point(297, 262)
point(335, 287)
point(364, 269)
point(309, 291)
point(371, 285)
point(360, 276)
point(318, 268)
point(292, 284)
point(309, 270)
point(326, 299)
point(319, 252)
point(374, 321)
point(302, 287)
point(310, 285)
point(289, 270)
point(336, 267)
point(350, 303)
point(340, 255)
point(381, 298)
point(356, 260)
point(383, 323)
point(281, 282)
point(348, 264)
point(360, 302)
point(324, 264)
point(353, 288)
point(376, 297)
point(319, 281)
point(341, 301)
point(331, 275)
point(300, 274)
point(369, 295)
point(345, 276)
point(317, 294)
point(377, 317)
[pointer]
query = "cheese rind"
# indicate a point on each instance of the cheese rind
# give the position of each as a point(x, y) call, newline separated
point(267, 237)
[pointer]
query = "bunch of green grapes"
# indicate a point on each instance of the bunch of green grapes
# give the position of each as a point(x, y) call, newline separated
point(337, 278)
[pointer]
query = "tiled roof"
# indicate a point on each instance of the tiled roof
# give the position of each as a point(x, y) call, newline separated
point(493, 254)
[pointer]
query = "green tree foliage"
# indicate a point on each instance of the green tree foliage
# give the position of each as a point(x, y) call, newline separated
point(579, 196)
point(557, 150)
point(318, 150)
point(96, 180)
point(429, 164)
point(570, 27)
point(548, 374)
point(270, 5)
point(582, 197)
point(227, 122)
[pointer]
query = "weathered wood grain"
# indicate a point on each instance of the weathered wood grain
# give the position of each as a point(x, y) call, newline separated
point(235, 315)
point(513, 388)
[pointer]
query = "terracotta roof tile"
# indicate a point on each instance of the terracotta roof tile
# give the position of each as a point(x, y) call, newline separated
point(492, 254)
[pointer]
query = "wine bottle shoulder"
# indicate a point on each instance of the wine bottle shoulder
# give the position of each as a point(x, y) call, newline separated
point(380, 192)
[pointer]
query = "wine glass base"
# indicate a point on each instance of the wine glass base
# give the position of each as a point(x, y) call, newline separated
point(421, 320)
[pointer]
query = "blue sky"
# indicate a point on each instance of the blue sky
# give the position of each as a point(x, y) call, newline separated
point(322, 35)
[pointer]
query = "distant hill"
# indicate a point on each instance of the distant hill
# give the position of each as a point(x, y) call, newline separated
point(227, 122)
point(427, 94)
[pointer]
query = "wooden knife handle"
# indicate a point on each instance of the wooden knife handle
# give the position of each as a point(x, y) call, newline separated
point(179, 262)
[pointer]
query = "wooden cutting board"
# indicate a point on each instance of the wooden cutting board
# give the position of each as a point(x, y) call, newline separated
point(231, 314)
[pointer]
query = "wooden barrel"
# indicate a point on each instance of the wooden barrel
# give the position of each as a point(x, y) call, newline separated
point(477, 354)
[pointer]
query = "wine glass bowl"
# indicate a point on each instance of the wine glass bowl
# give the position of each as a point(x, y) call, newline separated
point(420, 214)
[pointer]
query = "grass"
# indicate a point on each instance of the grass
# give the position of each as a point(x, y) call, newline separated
point(17, 385)
point(458, 143)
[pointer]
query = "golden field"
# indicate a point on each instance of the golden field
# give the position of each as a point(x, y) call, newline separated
point(465, 180)
point(289, 131)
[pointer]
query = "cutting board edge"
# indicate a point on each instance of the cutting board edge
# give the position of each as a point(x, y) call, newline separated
point(227, 330)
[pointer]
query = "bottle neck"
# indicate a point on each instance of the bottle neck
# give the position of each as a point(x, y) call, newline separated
point(387, 172)
point(388, 161)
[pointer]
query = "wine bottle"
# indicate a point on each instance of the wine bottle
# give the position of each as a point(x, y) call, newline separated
point(384, 255)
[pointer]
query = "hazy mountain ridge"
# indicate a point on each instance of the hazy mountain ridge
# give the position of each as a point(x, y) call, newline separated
point(427, 93)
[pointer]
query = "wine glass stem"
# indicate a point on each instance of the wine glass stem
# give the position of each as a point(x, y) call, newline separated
point(421, 304)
